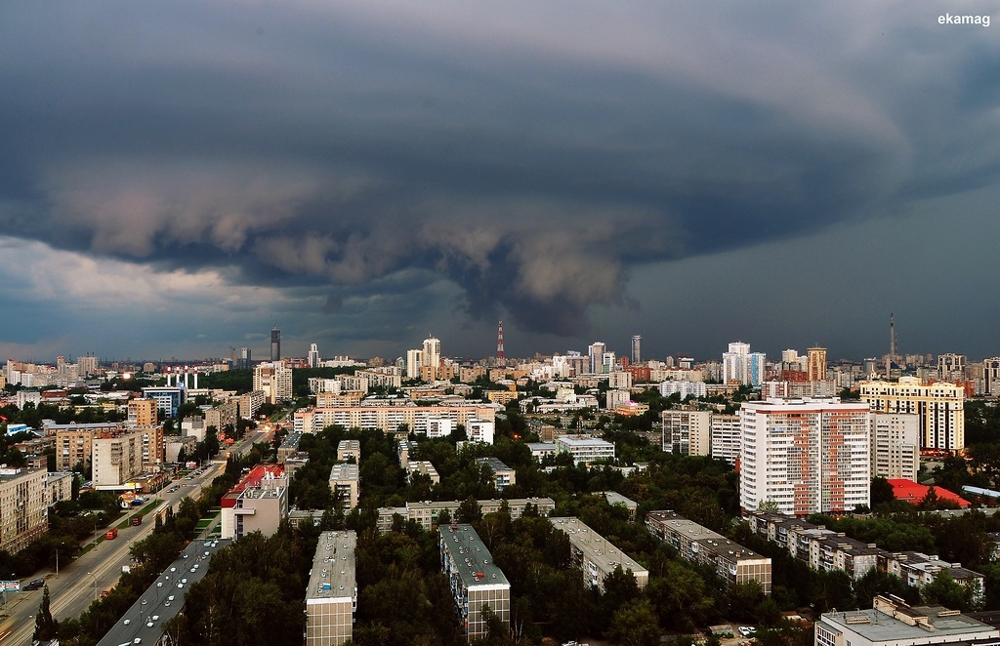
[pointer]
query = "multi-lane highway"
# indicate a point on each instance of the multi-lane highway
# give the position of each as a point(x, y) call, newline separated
point(80, 581)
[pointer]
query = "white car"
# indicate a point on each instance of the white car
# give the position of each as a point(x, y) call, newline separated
point(126, 622)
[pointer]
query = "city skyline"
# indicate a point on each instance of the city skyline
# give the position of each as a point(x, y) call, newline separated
point(178, 178)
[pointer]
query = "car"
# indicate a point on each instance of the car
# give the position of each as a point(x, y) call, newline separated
point(144, 602)
point(180, 585)
point(166, 604)
point(155, 617)
point(137, 640)
point(170, 598)
point(149, 624)
point(746, 631)
point(126, 622)
point(173, 569)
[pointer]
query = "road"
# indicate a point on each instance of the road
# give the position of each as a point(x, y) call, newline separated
point(80, 581)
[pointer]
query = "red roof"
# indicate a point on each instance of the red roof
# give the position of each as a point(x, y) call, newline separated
point(914, 493)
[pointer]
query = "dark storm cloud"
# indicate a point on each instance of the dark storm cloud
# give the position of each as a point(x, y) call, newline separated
point(529, 154)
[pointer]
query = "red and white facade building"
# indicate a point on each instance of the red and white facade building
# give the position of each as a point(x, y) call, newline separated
point(804, 456)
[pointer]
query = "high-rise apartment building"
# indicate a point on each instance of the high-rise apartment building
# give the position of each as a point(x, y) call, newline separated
point(313, 357)
point(895, 445)
point(804, 456)
point(637, 349)
point(726, 437)
point(414, 360)
point(736, 364)
point(951, 367)
point(816, 364)
point(246, 359)
point(595, 351)
point(274, 380)
point(940, 406)
point(430, 358)
point(116, 459)
point(991, 376)
point(687, 432)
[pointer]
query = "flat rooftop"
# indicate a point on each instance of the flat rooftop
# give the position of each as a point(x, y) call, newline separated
point(582, 440)
point(332, 575)
point(472, 560)
point(493, 463)
point(594, 546)
point(877, 626)
point(344, 471)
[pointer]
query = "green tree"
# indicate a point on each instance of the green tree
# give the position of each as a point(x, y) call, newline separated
point(634, 624)
point(948, 592)
point(45, 626)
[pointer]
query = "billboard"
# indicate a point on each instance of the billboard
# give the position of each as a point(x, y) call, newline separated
point(10, 586)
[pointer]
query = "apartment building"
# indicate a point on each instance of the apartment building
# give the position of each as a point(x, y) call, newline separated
point(289, 446)
point(940, 407)
point(726, 437)
point(595, 555)
point(380, 414)
point(503, 475)
point(24, 501)
point(615, 499)
point(258, 502)
point(825, 550)
point(59, 486)
point(480, 430)
point(585, 449)
point(142, 412)
point(474, 579)
point(895, 452)
point(805, 456)
point(116, 459)
point(687, 432)
point(733, 563)
point(424, 468)
point(345, 484)
point(74, 442)
point(894, 623)
point(274, 379)
point(426, 513)
point(223, 415)
point(251, 402)
point(332, 595)
point(349, 449)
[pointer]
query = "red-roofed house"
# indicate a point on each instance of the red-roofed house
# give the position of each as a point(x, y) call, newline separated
point(914, 493)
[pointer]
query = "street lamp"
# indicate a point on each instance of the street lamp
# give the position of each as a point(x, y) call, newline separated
point(95, 584)
point(57, 558)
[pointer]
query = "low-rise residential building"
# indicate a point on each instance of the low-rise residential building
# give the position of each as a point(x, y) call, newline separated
point(894, 623)
point(424, 468)
point(733, 563)
point(616, 499)
point(474, 579)
point(294, 462)
point(332, 595)
point(426, 513)
point(59, 486)
point(595, 555)
point(344, 484)
point(390, 415)
point(585, 449)
point(541, 449)
point(289, 446)
point(349, 449)
point(503, 475)
point(258, 502)
point(825, 550)
point(24, 503)
point(439, 427)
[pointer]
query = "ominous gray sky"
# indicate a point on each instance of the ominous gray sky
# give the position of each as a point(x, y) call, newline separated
point(176, 177)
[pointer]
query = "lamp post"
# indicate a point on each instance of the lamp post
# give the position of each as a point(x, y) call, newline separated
point(57, 558)
point(95, 584)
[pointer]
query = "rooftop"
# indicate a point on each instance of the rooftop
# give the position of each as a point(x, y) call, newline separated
point(344, 471)
point(582, 440)
point(595, 547)
point(473, 561)
point(332, 575)
point(898, 622)
point(493, 463)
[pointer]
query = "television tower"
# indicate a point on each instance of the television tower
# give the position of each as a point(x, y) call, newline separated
point(892, 346)
point(500, 355)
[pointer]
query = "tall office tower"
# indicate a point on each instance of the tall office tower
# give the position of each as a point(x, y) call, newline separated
point(637, 349)
point(804, 456)
point(941, 407)
point(895, 445)
point(413, 362)
point(951, 367)
point(816, 364)
point(245, 359)
point(431, 357)
point(736, 364)
point(275, 344)
point(313, 355)
point(991, 376)
point(596, 353)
